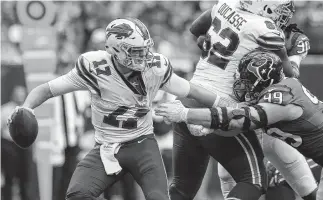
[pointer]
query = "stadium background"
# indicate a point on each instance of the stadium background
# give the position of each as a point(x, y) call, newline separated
point(79, 27)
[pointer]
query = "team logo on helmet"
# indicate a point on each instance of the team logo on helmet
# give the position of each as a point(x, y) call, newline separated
point(122, 31)
point(261, 68)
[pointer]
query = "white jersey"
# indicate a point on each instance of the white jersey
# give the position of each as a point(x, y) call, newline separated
point(233, 34)
point(121, 107)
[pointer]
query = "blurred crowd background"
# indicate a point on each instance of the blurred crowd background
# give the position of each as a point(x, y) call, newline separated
point(80, 27)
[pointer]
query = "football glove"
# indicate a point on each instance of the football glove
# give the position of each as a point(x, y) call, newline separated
point(199, 130)
point(172, 111)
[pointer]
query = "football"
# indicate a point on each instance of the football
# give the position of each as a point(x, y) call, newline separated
point(23, 127)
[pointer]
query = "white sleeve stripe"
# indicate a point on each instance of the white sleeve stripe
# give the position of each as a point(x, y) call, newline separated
point(86, 76)
point(271, 45)
point(271, 42)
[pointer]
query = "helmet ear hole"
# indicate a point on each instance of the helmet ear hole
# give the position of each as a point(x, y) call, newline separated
point(269, 11)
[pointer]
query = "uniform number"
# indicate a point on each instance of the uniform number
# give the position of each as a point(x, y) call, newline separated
point(118, 119)
point(313, 98)
point(293, 140)
point(156, 62)
point(303, 46)
point(276, 97)
point(219, 48)
point(106, 70)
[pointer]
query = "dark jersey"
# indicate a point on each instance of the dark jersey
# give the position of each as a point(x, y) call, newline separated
point(296, 43)
point(306, 132)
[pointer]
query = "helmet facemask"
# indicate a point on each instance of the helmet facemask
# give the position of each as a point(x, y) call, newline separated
point(256, 71)
point(136, 58)
point(286, 12)
point(247, 88)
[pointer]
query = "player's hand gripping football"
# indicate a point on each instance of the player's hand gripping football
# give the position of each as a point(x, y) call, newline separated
point(15, 111)
point(172, 111)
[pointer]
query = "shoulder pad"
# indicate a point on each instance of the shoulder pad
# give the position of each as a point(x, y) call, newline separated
point(96, 55)
point(277, 94)
point(94, 60)
point(267, 35)
point(87, 66)
point(162, 68)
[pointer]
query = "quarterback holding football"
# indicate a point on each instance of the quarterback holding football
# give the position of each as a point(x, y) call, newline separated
point(123, 81)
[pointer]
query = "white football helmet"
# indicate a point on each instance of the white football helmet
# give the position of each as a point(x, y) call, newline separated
point(279, 11)
point(129, 41)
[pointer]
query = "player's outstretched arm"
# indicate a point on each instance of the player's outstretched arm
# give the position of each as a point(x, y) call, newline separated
point(183, 88)
point(59, 86)
point(247, 118)
point(37, 96)
point(226, 118)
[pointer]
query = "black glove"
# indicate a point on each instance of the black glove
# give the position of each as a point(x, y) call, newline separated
point(204, 43)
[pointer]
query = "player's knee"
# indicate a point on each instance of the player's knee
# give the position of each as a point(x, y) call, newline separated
point(176, 193)
point(78, 192)
point(296, 172)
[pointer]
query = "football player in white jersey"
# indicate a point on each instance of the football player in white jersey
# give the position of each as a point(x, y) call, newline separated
point(297, 46)
point(123, 81)
point(225, 33)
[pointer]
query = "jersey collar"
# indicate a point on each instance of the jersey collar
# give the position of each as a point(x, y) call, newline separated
point(135, 74)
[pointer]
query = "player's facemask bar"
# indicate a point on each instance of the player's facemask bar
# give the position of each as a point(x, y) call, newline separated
point(285, 12)
point(246, 91)
point(137, 58)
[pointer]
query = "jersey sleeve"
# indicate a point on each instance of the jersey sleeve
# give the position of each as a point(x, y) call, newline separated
point(67, 83)
point(297, 44)
point(277, 94)
point(162, 68)
point(267, 35)
point(84, 73)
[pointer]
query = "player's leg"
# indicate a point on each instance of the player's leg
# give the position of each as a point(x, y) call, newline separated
point(291, 164)
point(242, 157)
point(226, 181)
point(90, 179)
point(142, 158)
point(190, 162)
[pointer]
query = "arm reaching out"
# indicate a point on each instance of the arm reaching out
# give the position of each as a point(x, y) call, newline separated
point(37, 96)
point(59, 86)
point(183, 88)
point(225, 118)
